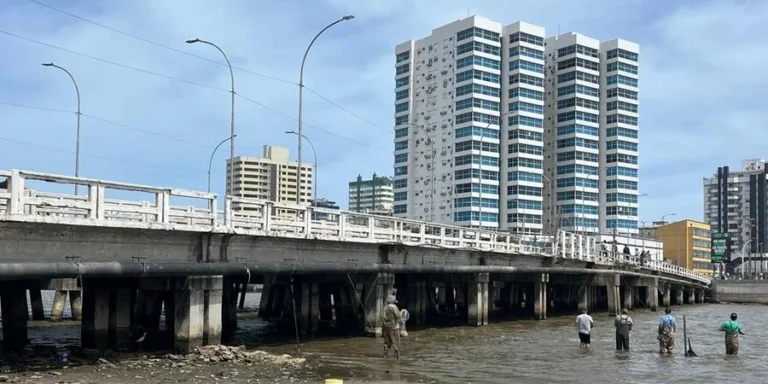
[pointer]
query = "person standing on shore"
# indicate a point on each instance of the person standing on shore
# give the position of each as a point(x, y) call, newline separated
point(623, 324)
point(390, 326)
point(584, 323)
point(732, 330)
point(667, 330)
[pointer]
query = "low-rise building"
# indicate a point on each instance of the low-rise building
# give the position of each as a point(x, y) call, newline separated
point(687, 243)
point(373, 196)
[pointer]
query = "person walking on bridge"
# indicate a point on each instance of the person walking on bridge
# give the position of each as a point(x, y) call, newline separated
point(390, 324)
point(623, 324)
point(667, 330)
point(732, 330)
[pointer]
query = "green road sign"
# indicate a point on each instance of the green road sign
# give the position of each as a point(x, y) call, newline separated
point(720, 252)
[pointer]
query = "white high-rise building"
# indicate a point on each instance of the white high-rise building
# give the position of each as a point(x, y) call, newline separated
point(472, 99)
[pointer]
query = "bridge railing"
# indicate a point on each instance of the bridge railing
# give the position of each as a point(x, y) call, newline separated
point(21, 202)
point(266, 218)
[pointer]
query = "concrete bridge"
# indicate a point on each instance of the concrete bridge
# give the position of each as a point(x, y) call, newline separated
point(173, 252)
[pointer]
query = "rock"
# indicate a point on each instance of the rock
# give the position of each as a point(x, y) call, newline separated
point(54, 373)
point(3, 378)
point(103, 361)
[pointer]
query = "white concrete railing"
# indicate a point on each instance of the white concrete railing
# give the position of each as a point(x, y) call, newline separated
point(266, 218)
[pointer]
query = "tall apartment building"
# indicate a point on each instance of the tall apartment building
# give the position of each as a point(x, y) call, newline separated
point(271, 177)
point(592, 133)
point(470, 107)
point(735, 203)
point(371, 196)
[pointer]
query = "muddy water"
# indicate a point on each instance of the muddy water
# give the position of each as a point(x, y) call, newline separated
point(521, 351)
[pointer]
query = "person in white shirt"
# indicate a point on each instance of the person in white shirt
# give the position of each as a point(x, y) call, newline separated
point(584, 323)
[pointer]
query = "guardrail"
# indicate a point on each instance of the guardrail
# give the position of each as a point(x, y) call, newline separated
point(266, 218)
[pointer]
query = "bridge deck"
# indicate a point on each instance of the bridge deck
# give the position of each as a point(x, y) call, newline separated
point(34, 197)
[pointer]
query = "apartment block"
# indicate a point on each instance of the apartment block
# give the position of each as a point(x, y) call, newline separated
point(498, 127)
point(271, 177)
point(374, 195)
point(735, 203)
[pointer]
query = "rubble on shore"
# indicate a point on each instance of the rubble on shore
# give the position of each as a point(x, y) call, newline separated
point(204, 364)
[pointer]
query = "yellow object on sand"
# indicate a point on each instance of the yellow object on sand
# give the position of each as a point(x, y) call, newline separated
point(334, 381)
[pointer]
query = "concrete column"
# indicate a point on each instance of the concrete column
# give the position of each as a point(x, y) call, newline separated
point(652, 295)
point(667, 297)
point(417, 301)
point(95, 322)
point(197, 312)
point(629, 298)
point(692, 296)
point(58, 306)
point(228, 308)
point(309, 308)
point(326, 307)
point(585, 296)
point(120, 318)
point(701, 296)
point(679, 296)
point(614, 297)
point(243, 291)
point(36, 299)
point(375, 291)
point(450, 298)
point(13, 304)
point(540, 296)
point(265, 305)
point(477, 299)
point(76, 305)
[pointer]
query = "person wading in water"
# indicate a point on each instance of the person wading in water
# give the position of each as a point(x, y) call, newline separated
point(623, 324)
point(666, 332)
point(732, 330)
point(390, 327)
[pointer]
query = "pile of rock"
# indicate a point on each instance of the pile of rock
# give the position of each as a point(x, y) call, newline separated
point(222, 353)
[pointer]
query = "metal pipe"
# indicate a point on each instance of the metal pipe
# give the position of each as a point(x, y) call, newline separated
point(9, 271)
point(301, 101)
point(77, 139)
point(232, 116)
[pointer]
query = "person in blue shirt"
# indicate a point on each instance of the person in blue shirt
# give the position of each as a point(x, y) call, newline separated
point(667, 332)
point(732, 330)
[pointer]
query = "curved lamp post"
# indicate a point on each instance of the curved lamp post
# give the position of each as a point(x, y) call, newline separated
point(231, 174)
point(664, 216)
point(210, 162)
point(300, 134)
point(315, 153)
point(77, 139)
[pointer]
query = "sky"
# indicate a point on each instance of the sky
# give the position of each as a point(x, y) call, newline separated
point(154, 107)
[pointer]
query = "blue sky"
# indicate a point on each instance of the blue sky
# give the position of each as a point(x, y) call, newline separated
point(703, 87)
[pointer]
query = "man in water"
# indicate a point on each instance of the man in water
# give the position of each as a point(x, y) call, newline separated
point(390, 327)
point(732, 330)
point(584, 323)
point(623, 324)
point(666, 332)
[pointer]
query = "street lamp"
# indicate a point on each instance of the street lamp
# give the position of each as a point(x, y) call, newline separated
point(315, 152)
point(77, 140)
point(211, 160)
point(231, 174)
point(300, 134)
point(664, 216)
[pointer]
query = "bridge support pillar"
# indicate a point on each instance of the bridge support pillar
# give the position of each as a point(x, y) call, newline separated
point(692, 296)
point(679, 296)
point(585, 297)
point(197, 312)
point(450, 297)
point(36, 299)
point(700, 296)
point(13, 304)
point(629, 297)
point(106, 320)
point(540, 296)
point(477, 299)
point(417, 301)
point(229, 308)
point(652, 295)
point(64, 288)
point(667, 296)
point(375, 291)
point(309, 307)
point(614, 296)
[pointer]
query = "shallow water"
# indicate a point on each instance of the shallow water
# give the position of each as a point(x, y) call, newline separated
point(522, 351)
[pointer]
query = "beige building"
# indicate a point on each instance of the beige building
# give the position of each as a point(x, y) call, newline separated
point(271, 177)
